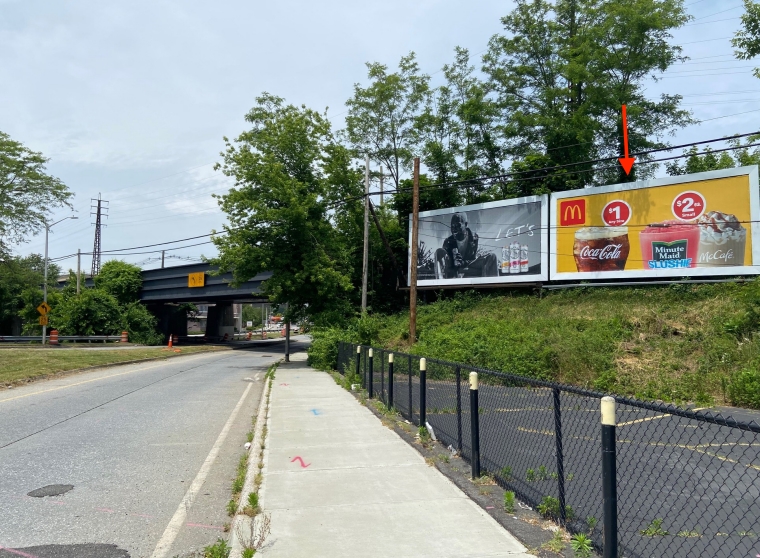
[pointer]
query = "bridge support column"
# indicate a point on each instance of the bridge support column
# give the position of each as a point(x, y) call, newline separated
point(221, 320)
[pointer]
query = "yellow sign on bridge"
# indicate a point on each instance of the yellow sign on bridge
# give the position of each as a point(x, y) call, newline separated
point(196, 280)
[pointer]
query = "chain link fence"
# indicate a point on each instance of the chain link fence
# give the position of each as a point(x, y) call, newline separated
point(688, 482)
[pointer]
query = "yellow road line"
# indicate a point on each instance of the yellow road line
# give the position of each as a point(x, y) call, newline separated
point(653, 418)
point(85, 381)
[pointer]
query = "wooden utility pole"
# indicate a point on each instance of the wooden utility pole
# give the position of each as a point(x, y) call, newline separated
point(79, 269)
point(366, 235)
point(413, 262)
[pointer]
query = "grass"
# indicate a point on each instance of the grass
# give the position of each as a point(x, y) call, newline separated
point(678, 343)
point(26, 364)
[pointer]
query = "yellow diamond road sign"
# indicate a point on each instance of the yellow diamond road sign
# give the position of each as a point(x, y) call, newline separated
point(43, 308)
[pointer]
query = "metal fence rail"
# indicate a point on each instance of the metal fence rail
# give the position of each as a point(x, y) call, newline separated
point(688, 483)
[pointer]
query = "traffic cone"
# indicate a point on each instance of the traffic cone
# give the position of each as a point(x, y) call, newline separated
point(170, 341)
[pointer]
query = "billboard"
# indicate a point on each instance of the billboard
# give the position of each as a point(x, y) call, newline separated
point(484, 244)
point(694, 225)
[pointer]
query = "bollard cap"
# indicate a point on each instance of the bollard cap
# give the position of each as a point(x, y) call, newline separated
point(608, 411)
point(390, 357)
point(370, 351)
point(423, 364)
point(358, 349)
point(474, 380)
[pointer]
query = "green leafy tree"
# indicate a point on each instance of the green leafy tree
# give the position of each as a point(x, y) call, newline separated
point(140, 324)
point(746, 41)
point(120, 279)
point(565, 68)
point(696, 162)
point(279, 210)
point(21, 280)
point(27, 192)
point(93, 312)
point(382, 117)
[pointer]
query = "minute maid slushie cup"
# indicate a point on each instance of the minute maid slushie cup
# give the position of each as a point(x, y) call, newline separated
point(722, 240)
point(669, 245)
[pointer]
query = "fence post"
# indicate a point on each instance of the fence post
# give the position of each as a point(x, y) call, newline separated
point(358, 360)
point(459, 409)
point(390, 381)
point(371, 376)
point(382, 376)
point(609, 478)
point(423, 389)
point(474, 425)
point(560, 457)
point(411, 401)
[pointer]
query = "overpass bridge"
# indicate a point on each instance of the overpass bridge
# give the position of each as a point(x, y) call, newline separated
point(164, 289)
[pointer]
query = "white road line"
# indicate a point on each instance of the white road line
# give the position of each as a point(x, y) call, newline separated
point(178, 520)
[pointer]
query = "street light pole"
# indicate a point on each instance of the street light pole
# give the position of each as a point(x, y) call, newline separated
point(44, 285)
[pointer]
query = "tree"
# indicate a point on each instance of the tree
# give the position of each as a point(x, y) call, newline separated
point(382, 118)
point(93, 312)
point(746, 41)
point(565, 68)
point(27, 192)
point(121, 280)
point(21, 280)
point(279, 210)
point(742, 156)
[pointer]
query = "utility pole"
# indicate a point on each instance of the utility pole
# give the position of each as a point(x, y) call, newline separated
point(366, 235)
point(98, 211)
point(381, 185)
point(413, 262)
point(163, 254)
point(79, 269)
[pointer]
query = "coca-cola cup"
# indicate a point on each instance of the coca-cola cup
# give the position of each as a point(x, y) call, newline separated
point(601, 248)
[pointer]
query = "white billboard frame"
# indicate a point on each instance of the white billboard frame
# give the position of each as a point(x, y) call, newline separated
point(754, 198)
point(491, 281)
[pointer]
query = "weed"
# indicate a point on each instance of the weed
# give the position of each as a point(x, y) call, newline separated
point(689, 534)
point(484, 480)
point(549, 508)
point(556, 543)
point(591, 522)
point(226, 527)
point(581, 545)
point(484, 491)
point(217, 550)
point(430, 461)
point(506, 472)
point(569, 477)
point(530, 475)
point(553, 476)
point(542, 474)
point(424, 435)
point(248, 553)
point(509, 501)
point(444, 457)
point(231, 507)
point(254, 540)
point(654, 529)
point(249, 437)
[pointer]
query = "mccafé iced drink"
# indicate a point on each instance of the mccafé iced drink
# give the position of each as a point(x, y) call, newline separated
point(670, 244)
point(601, 248)
point(721, 240)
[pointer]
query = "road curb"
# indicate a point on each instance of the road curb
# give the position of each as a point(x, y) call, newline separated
point(242, 524)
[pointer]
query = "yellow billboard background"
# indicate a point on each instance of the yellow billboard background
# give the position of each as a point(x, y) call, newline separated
point(653, 205)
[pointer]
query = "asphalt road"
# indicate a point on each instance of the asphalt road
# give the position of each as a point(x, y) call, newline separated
point(131, 440)
point(700, 480)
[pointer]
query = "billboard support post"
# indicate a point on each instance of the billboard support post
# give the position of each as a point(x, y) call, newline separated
point(413, 262)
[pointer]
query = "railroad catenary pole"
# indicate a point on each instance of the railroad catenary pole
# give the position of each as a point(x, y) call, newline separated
point(413, 262)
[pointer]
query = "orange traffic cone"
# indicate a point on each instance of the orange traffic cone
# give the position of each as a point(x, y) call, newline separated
point(170, 341)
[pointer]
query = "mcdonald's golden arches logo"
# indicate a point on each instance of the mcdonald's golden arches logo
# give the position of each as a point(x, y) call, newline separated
point(572, 212)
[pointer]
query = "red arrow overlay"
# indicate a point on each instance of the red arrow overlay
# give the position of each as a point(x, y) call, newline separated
point(303, 465)
point(626, 162)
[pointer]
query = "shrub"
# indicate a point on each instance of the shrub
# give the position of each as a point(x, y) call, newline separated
point(141, 325)
point(509, 501)
point(549, 508)
point(323, 351)
point(744, 389)
point(93, 312)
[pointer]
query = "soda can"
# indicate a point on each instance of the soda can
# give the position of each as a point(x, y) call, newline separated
point(514, 257)
point(524, 260)
point(505, 260)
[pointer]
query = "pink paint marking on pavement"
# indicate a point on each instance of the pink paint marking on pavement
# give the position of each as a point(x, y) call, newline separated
point(303, 465)
point(202, 526)
point(106, 510)
point(17, 552)
point(489, 507)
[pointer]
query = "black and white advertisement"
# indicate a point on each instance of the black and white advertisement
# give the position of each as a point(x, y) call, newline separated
point(490, 243)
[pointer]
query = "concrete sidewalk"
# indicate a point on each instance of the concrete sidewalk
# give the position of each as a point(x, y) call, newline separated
point(337, 483)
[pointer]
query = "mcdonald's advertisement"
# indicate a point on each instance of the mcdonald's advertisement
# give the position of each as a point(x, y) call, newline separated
point(693, 225)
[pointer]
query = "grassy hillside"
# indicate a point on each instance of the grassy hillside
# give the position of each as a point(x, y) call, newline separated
point(678, 343)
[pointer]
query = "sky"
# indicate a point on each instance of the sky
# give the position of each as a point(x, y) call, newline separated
point(131, 100)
